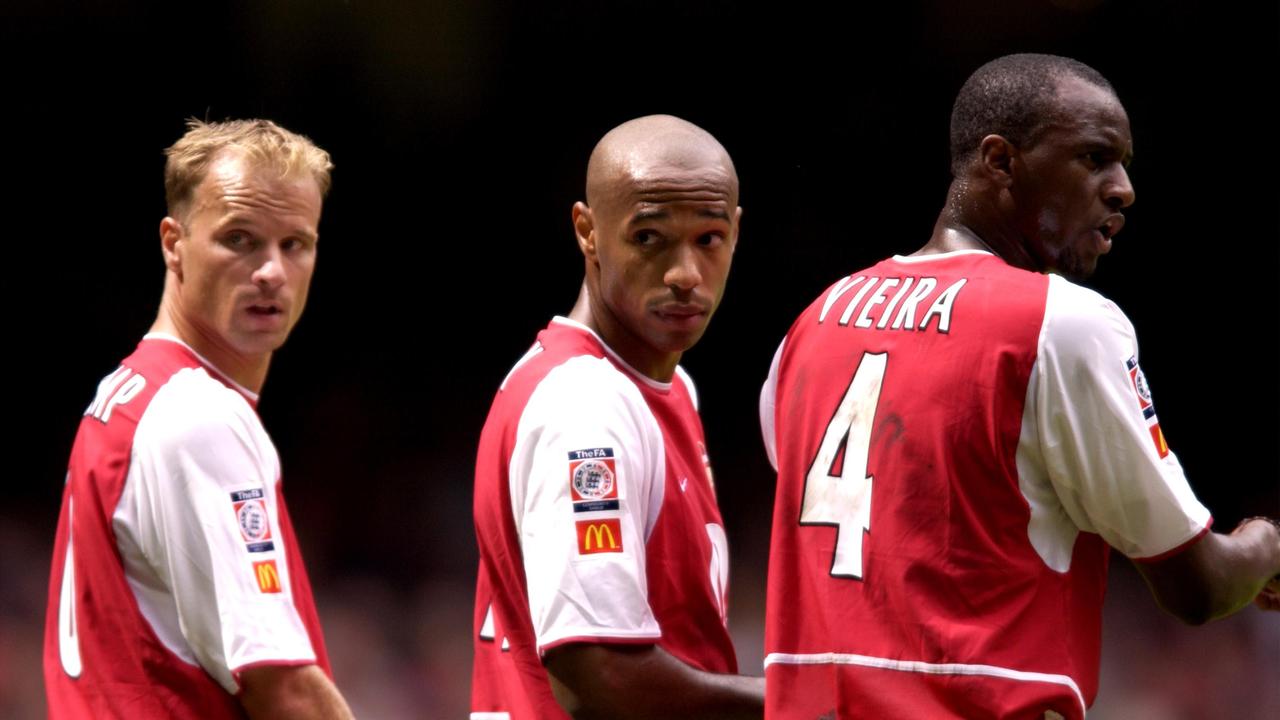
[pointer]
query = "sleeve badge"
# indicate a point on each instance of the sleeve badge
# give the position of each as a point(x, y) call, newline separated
point(1143, 393)
point(593, 480)
point(252, 518)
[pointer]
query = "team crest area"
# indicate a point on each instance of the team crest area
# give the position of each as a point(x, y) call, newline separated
point(593, 479)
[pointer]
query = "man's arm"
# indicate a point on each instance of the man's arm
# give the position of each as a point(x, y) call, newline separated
point(301, 692)
point(1218, 574)
point(626, 682)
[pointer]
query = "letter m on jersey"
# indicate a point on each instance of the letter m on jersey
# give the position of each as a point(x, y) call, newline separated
point(843, 499)
point(599, 536)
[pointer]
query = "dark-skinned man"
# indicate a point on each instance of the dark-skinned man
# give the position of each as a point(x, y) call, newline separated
point(962, 434)
point(603, 561)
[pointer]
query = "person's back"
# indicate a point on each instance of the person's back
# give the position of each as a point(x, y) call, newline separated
point(114, 645)
point(962, 434)
point(936, 354)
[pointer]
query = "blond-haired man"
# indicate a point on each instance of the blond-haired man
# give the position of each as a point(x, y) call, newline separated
point(177, 588)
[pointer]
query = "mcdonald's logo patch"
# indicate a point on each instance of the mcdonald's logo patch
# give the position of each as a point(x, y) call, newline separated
point(267, 575)
point(599, 536)
point(1162, 447)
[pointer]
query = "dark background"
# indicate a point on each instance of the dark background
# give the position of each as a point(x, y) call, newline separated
point(460, 132)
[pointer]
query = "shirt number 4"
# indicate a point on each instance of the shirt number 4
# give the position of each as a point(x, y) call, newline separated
point(840, 496)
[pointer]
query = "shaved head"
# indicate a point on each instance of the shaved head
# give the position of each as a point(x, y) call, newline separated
point(648, 147)
point(657, 233)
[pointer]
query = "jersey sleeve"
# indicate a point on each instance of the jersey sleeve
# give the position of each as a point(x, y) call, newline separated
point(586, 480)
point(1103, 448)
point(204, 511)
point(768, 408)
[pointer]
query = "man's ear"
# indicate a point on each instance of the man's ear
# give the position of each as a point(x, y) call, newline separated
point(995, 159)
point(171, 234)
point(737, 229)
point(584, 226)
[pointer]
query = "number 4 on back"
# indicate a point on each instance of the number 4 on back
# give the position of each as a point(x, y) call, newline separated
point(844, 500)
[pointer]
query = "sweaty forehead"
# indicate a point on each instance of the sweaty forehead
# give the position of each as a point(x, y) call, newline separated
point(656, 175)
point(671, 182)
point(1081, 106)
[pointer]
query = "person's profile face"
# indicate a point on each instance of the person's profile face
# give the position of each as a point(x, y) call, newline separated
point(664, 244)
point(247, 253)
point(1071, 184)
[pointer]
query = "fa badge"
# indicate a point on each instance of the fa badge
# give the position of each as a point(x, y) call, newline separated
point(251, 516)
point(593, 480)
point(1139, 382)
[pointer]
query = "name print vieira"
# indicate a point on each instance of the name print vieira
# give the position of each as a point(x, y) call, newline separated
point(892, 303)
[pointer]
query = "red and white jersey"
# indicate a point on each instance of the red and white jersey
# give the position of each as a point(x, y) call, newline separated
point(175, 565)
point(596, 519)
point(957, 442)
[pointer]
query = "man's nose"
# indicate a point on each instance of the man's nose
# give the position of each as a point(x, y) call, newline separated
point(270, 270)
point(684, 273)
point(1118, 191)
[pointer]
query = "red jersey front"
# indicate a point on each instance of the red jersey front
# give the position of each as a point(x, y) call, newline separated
point(957, 443)
point(175, 564)
point(596, 520)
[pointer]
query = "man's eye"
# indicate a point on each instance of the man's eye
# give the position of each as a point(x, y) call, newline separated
point(236, 239)
point(646, 237)
point(711, 239)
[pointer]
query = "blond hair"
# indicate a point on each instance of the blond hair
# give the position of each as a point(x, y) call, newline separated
point(262, 142)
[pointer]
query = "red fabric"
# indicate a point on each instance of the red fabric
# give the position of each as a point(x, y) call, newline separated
point(948, 572)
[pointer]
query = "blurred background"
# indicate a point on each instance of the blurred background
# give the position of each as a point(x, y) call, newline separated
point(460, 132)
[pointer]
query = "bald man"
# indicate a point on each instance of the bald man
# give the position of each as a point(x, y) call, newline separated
point(603, 561)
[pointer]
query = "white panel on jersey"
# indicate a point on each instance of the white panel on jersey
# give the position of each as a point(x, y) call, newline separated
point(1086, 457)
point(719, 570)
point(68, 636)
point(586, 403)
point(768, 407)
point(186, 555)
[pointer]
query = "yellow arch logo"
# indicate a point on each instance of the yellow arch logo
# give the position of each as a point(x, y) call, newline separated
point(597, 536)
point(268, 576)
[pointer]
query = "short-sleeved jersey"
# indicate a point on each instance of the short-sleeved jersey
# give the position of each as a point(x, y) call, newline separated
point(596, 520)
point(957, 442)
point(175, 565)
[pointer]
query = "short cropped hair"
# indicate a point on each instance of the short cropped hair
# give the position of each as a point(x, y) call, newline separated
point(262, 142)
point(1011, 96)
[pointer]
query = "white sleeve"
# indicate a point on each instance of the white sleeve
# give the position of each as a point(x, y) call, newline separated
point(1103, 448)
point(768, 407)
point(201, 509)
point(587, 480)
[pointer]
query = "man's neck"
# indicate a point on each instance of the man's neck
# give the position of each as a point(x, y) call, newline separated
point(250, 372)
point(620, 340)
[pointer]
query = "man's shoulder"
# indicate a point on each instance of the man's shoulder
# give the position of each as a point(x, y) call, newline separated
point(1076, 313)
point(566, 360)
point(190, 404)
point(582, 385)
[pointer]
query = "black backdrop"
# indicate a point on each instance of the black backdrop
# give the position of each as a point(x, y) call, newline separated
point(460, 133)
